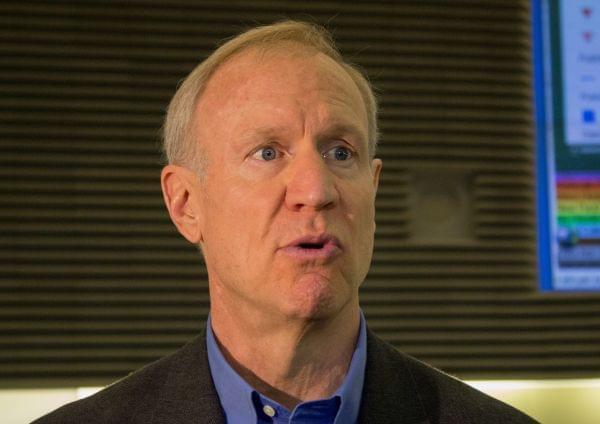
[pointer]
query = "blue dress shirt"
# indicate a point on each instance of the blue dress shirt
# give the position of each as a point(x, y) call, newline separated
point(242, 404)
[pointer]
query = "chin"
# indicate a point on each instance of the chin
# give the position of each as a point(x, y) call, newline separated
point(315, 297)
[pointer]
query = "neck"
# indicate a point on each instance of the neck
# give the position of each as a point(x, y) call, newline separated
point(290, 360)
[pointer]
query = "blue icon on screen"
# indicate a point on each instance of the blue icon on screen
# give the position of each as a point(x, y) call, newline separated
point(589, 116)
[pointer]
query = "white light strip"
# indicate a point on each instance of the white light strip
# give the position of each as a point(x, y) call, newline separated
point(484, 385)
point(83, 392)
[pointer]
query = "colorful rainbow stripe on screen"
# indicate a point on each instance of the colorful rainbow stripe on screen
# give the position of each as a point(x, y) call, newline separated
point(578, 196)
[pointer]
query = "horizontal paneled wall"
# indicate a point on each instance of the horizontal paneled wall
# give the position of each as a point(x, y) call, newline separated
point(94, 279)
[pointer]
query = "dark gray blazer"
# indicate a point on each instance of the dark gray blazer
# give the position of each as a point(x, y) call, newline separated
point(178, 389)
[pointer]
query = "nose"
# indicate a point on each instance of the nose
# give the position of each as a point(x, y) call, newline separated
point(311, 184)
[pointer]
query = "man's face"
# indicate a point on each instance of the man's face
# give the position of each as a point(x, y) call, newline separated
point(287, 196)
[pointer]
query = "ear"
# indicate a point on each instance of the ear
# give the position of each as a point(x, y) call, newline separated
point(180, 192)
point(376, 166)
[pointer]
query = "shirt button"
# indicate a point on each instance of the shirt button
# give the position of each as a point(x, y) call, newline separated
point(269, 411)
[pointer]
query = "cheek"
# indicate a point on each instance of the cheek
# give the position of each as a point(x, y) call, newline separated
point(239, 214)
point(361, 214)
point(221, 216)
point(360, 206)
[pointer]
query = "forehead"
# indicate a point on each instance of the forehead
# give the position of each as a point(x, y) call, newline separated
point(256, 79)
point(291, 66)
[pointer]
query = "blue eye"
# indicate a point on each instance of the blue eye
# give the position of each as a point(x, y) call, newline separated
point(339, 153)
point(268, 153)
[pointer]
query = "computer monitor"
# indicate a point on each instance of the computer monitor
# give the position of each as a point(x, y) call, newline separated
point(566, 55)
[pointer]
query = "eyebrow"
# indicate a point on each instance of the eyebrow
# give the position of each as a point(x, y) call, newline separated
point(339, 128)
point(334, 129)
point(265, 132)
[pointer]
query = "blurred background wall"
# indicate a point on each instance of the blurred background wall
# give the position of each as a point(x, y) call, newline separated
point(94, 279)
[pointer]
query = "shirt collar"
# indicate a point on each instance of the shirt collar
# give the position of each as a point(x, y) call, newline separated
point(236, 395)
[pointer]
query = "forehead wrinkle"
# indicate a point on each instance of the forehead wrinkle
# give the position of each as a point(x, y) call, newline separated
point(231, 85)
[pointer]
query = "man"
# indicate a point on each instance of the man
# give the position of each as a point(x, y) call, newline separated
point(271, 172)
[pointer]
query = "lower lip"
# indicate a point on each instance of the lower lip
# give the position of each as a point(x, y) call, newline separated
point(328, 251)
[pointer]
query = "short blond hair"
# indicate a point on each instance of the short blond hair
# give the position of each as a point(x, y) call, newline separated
point(178, 144)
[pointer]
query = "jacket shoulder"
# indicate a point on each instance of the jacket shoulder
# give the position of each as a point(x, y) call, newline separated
point(132, 399)
point(452, 401)
point(440, 397)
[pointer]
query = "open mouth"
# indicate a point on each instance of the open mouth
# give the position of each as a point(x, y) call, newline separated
point(311, 245)
point(321, 247)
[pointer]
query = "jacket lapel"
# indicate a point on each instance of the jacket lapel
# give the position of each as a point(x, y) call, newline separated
point(389, 393)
